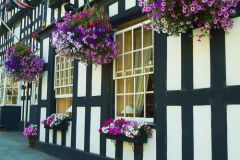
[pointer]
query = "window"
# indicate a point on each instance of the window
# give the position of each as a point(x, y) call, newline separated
point(63, 83)
point(133, 73)
point(11, 92)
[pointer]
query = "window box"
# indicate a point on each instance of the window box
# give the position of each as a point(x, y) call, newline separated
point(56, 3)
point(143, 138)
point(61, 127)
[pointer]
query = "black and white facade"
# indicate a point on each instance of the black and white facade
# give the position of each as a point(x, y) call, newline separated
point(186, 89)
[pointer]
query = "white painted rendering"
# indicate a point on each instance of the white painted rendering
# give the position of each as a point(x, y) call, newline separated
point(94, 134)
point(63, 10)
point(80, 128)
point(110, 148)
point(129, 4)
point(17, 33)
point(68, 135)
point(233, 54)
point(45, 50)
point(96, 80)
point(201, 62)
point(44, 85)
point(48, 20)
point(174, 133)
point(113, 9)
point(56, 13)
point(50, 136)
point(149, 149)
point(174, 63)
point(233, 131)
point(43, 113)
point(59, 137)
point(80, 3)
point(202, 132)
point(128, 153)
point(82, 79)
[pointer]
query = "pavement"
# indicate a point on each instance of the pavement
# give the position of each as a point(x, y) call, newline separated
point(13, 146)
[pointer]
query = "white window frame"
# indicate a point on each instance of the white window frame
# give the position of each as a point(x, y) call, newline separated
point(5, 94)
point(131, 28)
point(55, 79)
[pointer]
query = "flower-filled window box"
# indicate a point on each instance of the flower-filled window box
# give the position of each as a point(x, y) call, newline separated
point(129, 131)
point(175, 17)
point(56, 3)
point(57, 121)
point(87, 36)
point(22, 64)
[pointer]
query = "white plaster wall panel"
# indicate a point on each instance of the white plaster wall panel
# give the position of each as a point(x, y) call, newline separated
point(17, 33)
point(174, 133)
point(45, 50)
point(110, 148)
point(29, 109)
point(233, 131)
point(96, 80)
point(113, 9)
point(59, 137)
point(130, 4)
point(94, 134)
point(43, 113)
point(80, 3)
point(63, 10)
point(50, 136)
point(82, 79)
point(201, 62)
point(68, 135)
point(80, 128)
point(44, 85)
point(128, 153)
point(56, 13)
point(149, 149)
point(202, 132)
point(173, 63)
point(233, 54)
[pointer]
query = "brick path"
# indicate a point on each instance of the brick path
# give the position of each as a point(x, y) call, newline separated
point(13, 146)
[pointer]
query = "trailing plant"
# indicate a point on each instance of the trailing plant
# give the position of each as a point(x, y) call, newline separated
point(177, 16)
point(55, 120)
point(121, 127)
point(22, 64)
point(87, 35)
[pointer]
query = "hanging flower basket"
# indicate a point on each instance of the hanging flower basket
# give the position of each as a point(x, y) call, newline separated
point(175, 17)
point(22, 64)
point(31, 133)
point(87, 35)
point(56, 3)
point(57, 122)
point(129, 131)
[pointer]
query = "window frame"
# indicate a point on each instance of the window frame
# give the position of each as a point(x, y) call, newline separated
point(124, 77)
point(55, 79)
